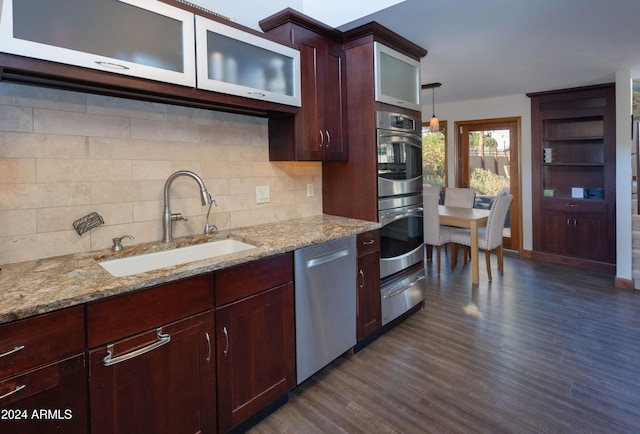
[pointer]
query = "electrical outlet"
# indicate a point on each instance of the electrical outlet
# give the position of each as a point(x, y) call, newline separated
point(262, 194)
point(309, 190)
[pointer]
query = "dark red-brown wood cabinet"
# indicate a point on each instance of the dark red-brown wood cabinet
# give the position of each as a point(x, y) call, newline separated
point(318, 132)
point(152, 360)
point(43, 374)
point(368, 315)
point(255, 337)
point(573, 176)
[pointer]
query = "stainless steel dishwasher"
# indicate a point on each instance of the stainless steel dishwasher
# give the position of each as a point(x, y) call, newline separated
point(325, 278)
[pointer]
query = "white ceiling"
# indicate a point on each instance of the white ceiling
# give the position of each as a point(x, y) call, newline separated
point(492, 48)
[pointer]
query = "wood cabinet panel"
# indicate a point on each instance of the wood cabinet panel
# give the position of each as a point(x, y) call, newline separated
point(573, 145)
point(166, 390)
point(241, 281)
point(121, 316)
point(256, 353)
point(50, 399)
point(368, 313)
point(318, 130)
point(40, 340)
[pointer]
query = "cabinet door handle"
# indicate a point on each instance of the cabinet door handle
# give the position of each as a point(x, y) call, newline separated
point(15, 350)
point(226, 345)
point(328, 137)
point(162, 340)
point(362, 277)
point(16, 390)
point(368, 242)
point(321, 139)
point(206, 336)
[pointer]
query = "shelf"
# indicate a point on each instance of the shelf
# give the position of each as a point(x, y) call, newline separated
point(584, 164)
point(573, 139)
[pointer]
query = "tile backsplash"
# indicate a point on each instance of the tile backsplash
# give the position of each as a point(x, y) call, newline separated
point(65, 154)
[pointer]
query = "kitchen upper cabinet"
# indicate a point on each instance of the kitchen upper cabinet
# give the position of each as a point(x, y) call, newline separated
point(236, 62)
point(255, 337)
point(152, 360)
point(43, 374)
point(397, 78)
point(139, 38)
point(318, 132)
point(369, 316)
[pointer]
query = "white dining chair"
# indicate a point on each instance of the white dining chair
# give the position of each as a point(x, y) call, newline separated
point(435, 234)
point(460, 197)
point(489, 237)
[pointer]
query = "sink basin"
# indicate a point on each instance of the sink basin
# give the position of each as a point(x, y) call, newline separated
point(155, 260)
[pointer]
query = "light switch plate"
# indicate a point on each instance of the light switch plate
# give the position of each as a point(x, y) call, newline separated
point(262, 194)
point(309, 190)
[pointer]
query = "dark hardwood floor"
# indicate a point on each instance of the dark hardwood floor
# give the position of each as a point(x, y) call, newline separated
point(544, 348)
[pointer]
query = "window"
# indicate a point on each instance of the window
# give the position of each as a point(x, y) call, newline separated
point(434, 156)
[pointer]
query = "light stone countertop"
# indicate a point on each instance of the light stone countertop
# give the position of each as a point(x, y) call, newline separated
point(35, 287)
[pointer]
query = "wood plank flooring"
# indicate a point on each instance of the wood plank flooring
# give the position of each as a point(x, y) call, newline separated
point(544, 348)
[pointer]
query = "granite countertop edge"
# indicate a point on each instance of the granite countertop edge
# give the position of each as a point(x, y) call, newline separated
point(40, 286)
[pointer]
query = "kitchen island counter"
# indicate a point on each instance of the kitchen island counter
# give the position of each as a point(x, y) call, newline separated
point(35, 287)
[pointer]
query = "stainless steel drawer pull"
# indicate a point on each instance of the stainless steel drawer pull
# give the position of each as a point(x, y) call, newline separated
point(206, 336)
point(226, 336)
point(16, 390)
point(15, 350)
point(362, 276)
point(162, 340)
point(368, 242)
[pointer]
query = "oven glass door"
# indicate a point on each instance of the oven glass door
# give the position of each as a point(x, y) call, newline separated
point(401, 239)
point(399, 163)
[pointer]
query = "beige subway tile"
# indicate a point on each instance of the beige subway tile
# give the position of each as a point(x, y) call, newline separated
point(30, 145)
point(42, 97)
point(108, 148)
point(43, 245)
point(79, 124)
point(25, 196)
point(17, 171)
point(151, 170)
point(67, 170)
point(17, 119)
point(249, 217)
point(163, 131)
point(113, 106)
point(17, 222)
point(125, 191)
point(146, 211)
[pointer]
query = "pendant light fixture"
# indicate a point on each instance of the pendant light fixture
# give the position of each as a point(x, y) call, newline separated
point(434, 124)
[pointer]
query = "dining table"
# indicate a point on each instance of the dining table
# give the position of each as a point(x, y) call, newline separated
point(471, 218)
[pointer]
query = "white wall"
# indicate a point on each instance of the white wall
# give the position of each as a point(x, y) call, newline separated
point(511, 106)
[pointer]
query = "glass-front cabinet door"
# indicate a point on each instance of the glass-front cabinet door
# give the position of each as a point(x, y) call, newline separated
point(397, 78)
point(239, 63)
point(147, 39)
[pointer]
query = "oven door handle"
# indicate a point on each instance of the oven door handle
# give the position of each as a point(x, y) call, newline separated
point(391, 216)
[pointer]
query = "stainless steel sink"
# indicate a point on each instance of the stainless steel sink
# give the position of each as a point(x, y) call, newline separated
point(135, 264)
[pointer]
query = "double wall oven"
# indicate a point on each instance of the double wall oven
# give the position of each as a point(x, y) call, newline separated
point(399, 166)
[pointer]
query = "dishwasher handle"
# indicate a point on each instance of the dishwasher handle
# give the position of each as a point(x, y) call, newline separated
point(327, 258)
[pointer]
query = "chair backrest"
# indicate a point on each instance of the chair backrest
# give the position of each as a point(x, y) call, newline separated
point(495, 222)
point(460, 197)
point(430, 219)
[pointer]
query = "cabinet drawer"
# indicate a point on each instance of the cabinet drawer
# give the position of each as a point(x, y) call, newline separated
point(576, 205)
point(59, 389)
point(244, 280)
point(125, 315)
point(368, 242)
point(37, 341)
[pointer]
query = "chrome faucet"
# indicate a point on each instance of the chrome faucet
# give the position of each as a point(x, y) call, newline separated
point(167, 217)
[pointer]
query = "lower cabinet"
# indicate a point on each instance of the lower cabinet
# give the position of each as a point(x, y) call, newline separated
point(255, 337)
point(583, 235)
point(152, 360)
point(369, 317)
point(43, 374)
